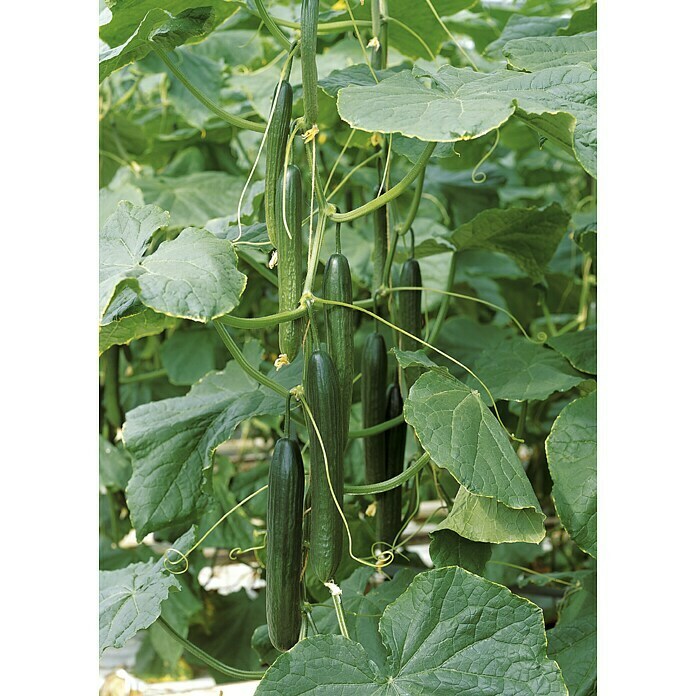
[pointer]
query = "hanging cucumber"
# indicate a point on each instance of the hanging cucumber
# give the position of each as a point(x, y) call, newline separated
point(323, 395)
point(373, 393)
point(276, 140)
point(284, 544)
point(380, 244)
point(309, 18)
point(290, 258)
point(389, 509)
point(409, 315)
point(339, 330)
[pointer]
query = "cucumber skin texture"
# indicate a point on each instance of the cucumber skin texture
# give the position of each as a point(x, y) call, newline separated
point(374, 398)
point(309, 17)
point(338, 285)
point(389, 509)
point(409, 315)
point(326, 527)
point(290, 259)
point(278, 133)
point(284, 544)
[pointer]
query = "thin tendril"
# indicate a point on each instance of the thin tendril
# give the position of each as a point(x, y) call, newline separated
point(338, 159)
point(534, 572)
point(169, 564)
point(449, 33)
point(479, 177)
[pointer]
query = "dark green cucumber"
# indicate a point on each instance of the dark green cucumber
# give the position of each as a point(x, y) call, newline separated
point(290, 258)
point(374, 397)
point(339, 330)
point(409, 316)
point(309, 18)
point(323, 395)
point(276, 140)
point(284, 544)
point(389, 508)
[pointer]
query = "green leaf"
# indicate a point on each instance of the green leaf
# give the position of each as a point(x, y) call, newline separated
point(579, 348)
point(124, 16)
point(561, 103)
point(172, 441)
point(414, 358)
point(189, 355)
point(504, 556)
point(529, 236)
point(157, 26)
point(141, 322)
point(114, 466)
point(431, 238)
point(519, 370)
point(193, 276)
point(571, 451)
point(581, 21)
point(359, 74)
point(573, 640)
point(521, 26)
point(130, 598)
point(450, 633)
point(496, 501)
point(552, 51)
point(447, 548)
point(193, 199)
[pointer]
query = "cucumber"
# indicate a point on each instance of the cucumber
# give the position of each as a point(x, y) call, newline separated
point(276, 139)
point(323, 395)
point(284, 544)
point(389, 508)
point(374, 393)
point(290, 258)
point(339, 330)
point(309, 18)
point(409, 315)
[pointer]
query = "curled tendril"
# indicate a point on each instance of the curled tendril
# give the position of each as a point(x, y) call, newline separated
point(238, 551)
point(479, 177)
point(383, 556)
point(170, 565)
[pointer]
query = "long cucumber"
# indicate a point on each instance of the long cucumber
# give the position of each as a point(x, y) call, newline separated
point(389, 508)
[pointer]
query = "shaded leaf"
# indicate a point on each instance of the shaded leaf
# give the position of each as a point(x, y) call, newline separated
point(553, 51)
point(447, 548)
point(579, 347)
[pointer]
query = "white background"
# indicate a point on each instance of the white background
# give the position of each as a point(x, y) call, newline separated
point(48, 346)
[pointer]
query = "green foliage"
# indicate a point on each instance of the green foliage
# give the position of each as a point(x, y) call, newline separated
point(502, 221)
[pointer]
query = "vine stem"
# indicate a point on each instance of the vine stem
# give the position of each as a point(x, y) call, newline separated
point(444, 305)
point(245, 364)
point(340, 616)
point(266, 322)
point(313, 260)
point(203, 656)
point(272, 26)
point(144, 376)
point(322, 27)
point(236, 121)
point(389, 195)
point(388, 484)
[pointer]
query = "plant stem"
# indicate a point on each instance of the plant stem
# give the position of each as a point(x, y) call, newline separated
point(266, 322)
point(376, 429)
point(387, 485)
point(313, 260)
point(245, 364)
point(236, 121)
point(272, 26)
point(444, 305)
point(415, 203)
point(144, 377)
point(389, 195)
point(112, 402)
point(340, 617)
point(322, 27)
point(203, 656)
point(258, 267)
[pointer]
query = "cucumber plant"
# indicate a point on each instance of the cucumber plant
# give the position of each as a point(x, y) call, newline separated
point(245, 412)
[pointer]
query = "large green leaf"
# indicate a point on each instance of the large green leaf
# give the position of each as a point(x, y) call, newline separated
point(552, 51)
point(447, 548)
point(560, 103)
point(529, 236)
point(189, 355)
point(129, 600)
point(521, 26)
point(193, 276)
point(141, 322)
point(571, 450)
point(123, 17)
point(172, 441)
point(450, 633)
point(579, 348)
point(157, 26)
point(495, 502)
point(519, 370)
